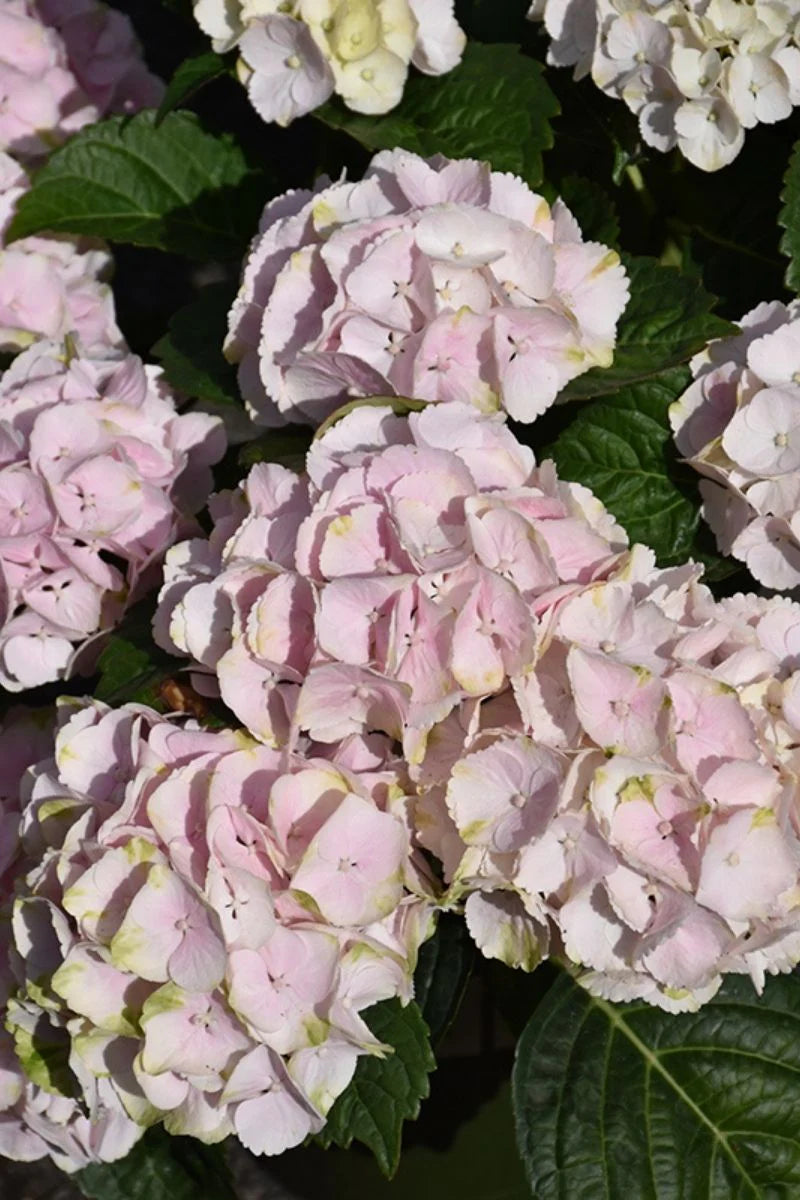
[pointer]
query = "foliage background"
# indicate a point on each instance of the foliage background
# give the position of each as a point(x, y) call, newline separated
point(696, 237)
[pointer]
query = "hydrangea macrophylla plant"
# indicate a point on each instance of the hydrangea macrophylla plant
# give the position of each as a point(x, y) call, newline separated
point(602, 754)
point(63, 65)
point(697, 73)
point(51, 285)
point(439, 279)
point(97, 473)
point(738, 424)
point(200, 922)
point(295, 55)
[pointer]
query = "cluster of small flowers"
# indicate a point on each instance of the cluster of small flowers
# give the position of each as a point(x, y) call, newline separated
point(604, 757)
point(296, 53)
point(65, 64)
point(738, 424)
point(696, 72)
point(438, 279)
point(50, 285)
point(96, 472)
point(198, 923)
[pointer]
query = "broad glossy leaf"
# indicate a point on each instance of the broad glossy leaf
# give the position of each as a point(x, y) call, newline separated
point(161, 1167)
point(495, 105)
point(190, 76)
point(790, 219)
point(191, 350)
point(624, 1100)
point(384, 1092)
point(621, 447)
point(443, 970)
point(172, 185)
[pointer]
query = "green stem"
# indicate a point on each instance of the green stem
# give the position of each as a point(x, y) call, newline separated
point(638, 184)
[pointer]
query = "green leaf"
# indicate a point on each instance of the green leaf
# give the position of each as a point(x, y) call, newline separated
point(668, 318)
point(443, 970)
point(622, 448)
point(172, 186)
point(624, 1100)
point(191, 350)
point(384, 1092)
point(496, 105)
point(191, 75)
point(161, 1167)
point(287, 446)
point(593, 209)
point(132, 667)
point(790, 219)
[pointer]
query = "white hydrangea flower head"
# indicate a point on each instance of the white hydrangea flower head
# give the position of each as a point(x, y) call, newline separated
point(738, 424)
point(296, 53)
point(697, 73)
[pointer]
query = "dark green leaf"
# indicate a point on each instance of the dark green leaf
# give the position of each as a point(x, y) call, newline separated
point(496, 106)
point(191, 351)
point(443, 970)
point(191, 75)
point(287, 446)
point(616, 1100)
point(622, 448)
point(668, 318)
point(172, 186)
point(132, 667)
point(129, 673)
point(593, 209)
point(161, 1167)
point(790, 219)
point(384, 1092)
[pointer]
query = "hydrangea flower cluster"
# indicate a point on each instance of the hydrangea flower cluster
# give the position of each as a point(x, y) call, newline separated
point(34, 1120)
point(198, 926)
point(738, 424)
point(697, 73)
point(63, 65)
point(604, 757)
point(438, 279)
point(96, 471)
point(392, 588)
point(638, 810)
point(52, 285)
point(296, 53)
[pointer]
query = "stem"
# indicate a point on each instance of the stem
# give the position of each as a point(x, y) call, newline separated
point(638, 184)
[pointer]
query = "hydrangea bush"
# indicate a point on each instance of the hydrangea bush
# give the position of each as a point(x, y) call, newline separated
point(399, 598)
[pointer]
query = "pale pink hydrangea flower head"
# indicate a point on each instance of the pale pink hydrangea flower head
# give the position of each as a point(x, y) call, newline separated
point(697, 73)
point(200, 924)
point(438, 279)
point(98, 473)
point(36, 1119)
point(738, 424)
point(65, 64)
point(603, 756)
point(296, 54)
